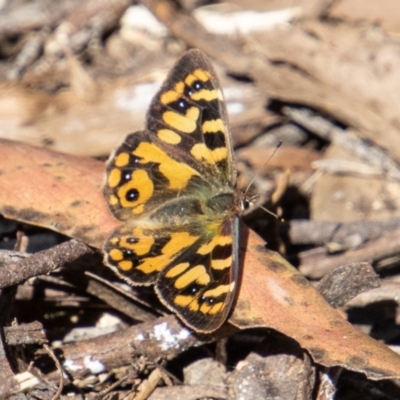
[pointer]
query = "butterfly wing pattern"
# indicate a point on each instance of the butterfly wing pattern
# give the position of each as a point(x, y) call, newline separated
point(173, 186)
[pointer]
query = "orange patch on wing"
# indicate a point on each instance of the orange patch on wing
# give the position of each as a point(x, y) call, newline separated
point(142, 245)
point(221, 263)
point(169, 136)
point(196, 274)
point(177, 270)
point(184, 123)
point(201, 152)
point(213, 126)
point(114, 177)
point(178, 174)
point(178, 242)
point(217, 240)
point(143, 185)
point(121, 160)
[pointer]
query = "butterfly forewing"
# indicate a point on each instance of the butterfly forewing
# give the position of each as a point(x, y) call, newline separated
point(141, 176)
point(188, 118)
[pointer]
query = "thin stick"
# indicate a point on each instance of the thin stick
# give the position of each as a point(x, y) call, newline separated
point(60, 371)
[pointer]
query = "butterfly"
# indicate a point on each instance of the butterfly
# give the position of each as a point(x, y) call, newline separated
point(173, 185)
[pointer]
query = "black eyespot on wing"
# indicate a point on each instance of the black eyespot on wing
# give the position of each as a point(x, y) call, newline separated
point(183, 104)
point(132, 195)
point(191, 289)
point(209, 300)
point(197, 85)
point(180, 106)
point(126, 175)
point(127, 253)
point(194, 87)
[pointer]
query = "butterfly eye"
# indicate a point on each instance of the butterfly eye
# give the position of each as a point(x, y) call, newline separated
point(128, 253)
point(131, 195)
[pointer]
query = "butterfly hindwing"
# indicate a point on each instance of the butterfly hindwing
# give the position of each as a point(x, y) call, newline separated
point(141, 176)
point(201, 283)
point(139, 254)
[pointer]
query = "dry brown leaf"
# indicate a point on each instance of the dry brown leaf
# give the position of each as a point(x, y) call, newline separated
point(63, 193)
point(274, 294)
point(54, 190)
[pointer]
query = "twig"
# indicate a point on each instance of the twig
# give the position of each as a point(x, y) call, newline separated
point(22, 242)
point(43, 262)
point(346, 138)
point(27, 56)
point(165, 337)
point(315, 263)
point(23, 334)
point(346, 282)
point(101, 395)
point(119, 299)
point(34, 16)
point(17, 383)
point(147, 386)
point(187, 28)
point(60, 372)
point(328, 383)
point(388, 291)
point(308, 232)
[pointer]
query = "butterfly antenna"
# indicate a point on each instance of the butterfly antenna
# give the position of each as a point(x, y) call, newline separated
point(271, 213)
point(259, 171)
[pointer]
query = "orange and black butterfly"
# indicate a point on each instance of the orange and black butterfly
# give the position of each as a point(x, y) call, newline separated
point(173, 186)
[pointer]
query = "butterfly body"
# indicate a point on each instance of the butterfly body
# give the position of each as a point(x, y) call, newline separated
point(173, 186)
